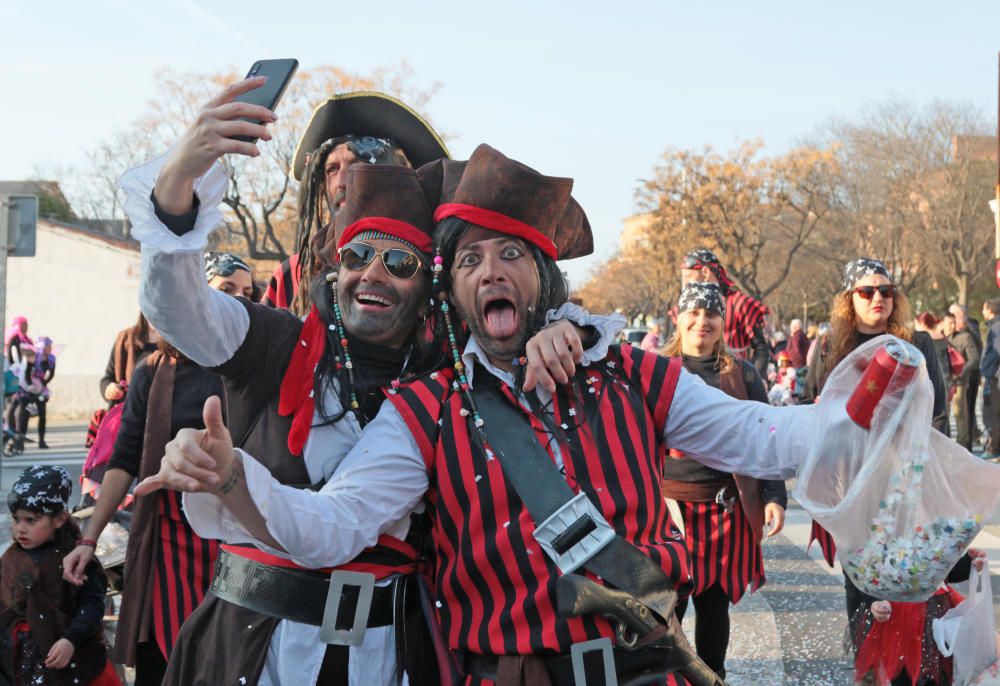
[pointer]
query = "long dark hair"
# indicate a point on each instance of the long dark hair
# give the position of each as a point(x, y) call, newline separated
point(139, 331)
point(553, 291)
point(313, 211)
point(68, 534)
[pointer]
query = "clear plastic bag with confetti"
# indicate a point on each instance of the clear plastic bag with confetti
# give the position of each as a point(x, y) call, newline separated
point(902, 502)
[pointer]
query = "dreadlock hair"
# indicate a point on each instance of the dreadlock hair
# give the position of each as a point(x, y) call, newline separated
point(553, 291)
point(313, 210)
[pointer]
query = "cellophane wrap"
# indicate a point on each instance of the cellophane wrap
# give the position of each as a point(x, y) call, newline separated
point(902, 501)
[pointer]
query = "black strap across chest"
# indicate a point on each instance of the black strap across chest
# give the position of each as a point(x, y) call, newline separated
point(543, 489)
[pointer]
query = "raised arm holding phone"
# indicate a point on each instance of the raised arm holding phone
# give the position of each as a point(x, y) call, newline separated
point(300, 391)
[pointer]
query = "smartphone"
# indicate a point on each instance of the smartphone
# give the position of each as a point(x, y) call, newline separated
point(279, 74)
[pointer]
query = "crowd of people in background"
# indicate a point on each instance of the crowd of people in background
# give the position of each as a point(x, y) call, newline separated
point(966, 353)
point(722, 335)
point(891, 641)
point(300, 376)
point(29, 366)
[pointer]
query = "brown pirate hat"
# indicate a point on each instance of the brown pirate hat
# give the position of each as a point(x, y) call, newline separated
point(501, 194)
point(382, 201)
point(368, 113)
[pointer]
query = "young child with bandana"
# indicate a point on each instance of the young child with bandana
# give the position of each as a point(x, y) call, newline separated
point(56, 628)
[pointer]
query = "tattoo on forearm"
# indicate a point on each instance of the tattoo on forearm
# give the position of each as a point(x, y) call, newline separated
point(231, 480)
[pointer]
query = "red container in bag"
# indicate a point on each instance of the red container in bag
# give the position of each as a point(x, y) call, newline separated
point(891, 358)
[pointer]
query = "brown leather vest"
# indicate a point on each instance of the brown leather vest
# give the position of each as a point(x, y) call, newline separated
point(135, 619)
point(36, 594)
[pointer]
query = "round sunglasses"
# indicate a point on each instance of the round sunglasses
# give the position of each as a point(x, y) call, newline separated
point(401, 263)
point(868, 292)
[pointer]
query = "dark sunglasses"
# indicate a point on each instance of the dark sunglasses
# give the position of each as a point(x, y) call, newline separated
point(868, 292)
point(399, 262)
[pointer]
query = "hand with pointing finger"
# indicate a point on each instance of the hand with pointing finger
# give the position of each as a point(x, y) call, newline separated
point(196, 461)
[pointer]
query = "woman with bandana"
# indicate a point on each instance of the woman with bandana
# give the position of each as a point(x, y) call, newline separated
point(722, 515)
point(168, 567)
point(868, 305)
point(57, 628)
point(745, 316)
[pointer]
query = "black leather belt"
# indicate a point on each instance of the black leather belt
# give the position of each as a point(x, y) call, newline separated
point(299, 595)
point(633, 667)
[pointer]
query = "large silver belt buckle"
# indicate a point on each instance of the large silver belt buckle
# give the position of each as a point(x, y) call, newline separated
point(720, 499)
point(355, 635)
point(574, 533)
point(578, 650)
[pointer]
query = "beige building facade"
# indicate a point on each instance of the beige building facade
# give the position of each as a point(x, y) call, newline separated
point(80, 289)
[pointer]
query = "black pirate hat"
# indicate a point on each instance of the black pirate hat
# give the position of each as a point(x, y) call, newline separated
point(368, 113)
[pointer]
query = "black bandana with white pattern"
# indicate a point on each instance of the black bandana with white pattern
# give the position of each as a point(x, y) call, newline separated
point(42, 489)
point(855, 270)
point(698, 295)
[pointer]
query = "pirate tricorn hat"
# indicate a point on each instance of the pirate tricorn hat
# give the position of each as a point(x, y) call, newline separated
point(501, 194)
point(382, 201)
point(370, 113)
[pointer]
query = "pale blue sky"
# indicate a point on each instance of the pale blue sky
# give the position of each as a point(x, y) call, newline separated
point(592, 90)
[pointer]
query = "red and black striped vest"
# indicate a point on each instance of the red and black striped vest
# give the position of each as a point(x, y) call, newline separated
point(496, 585)
point(284, 283)
point(743, 315)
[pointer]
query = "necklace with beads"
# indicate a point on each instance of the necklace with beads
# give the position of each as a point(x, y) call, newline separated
point(463, 383)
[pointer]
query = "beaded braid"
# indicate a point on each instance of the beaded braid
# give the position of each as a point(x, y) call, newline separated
point(463, 382)
point(338, 322)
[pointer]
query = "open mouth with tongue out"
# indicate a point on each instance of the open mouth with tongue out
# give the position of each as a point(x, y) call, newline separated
point(501, 317)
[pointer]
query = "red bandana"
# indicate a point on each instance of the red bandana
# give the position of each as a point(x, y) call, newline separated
point(297, 395)
point(488, 219)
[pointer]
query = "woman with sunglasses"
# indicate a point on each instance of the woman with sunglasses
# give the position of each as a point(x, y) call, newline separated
point(723, 516)
point(869, 305)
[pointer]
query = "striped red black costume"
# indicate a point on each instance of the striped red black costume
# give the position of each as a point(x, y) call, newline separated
point(496, 584)
point(723, 539)
point(744, 316)
point(284, 283)
point(274, 375)
point(167, 566)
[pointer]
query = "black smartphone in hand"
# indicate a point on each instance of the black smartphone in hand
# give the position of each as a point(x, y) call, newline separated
point(279, 74)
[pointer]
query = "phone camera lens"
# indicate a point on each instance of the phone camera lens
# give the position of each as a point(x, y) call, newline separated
point(256, 68)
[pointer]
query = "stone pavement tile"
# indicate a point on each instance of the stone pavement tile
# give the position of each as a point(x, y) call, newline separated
point(808, 605)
